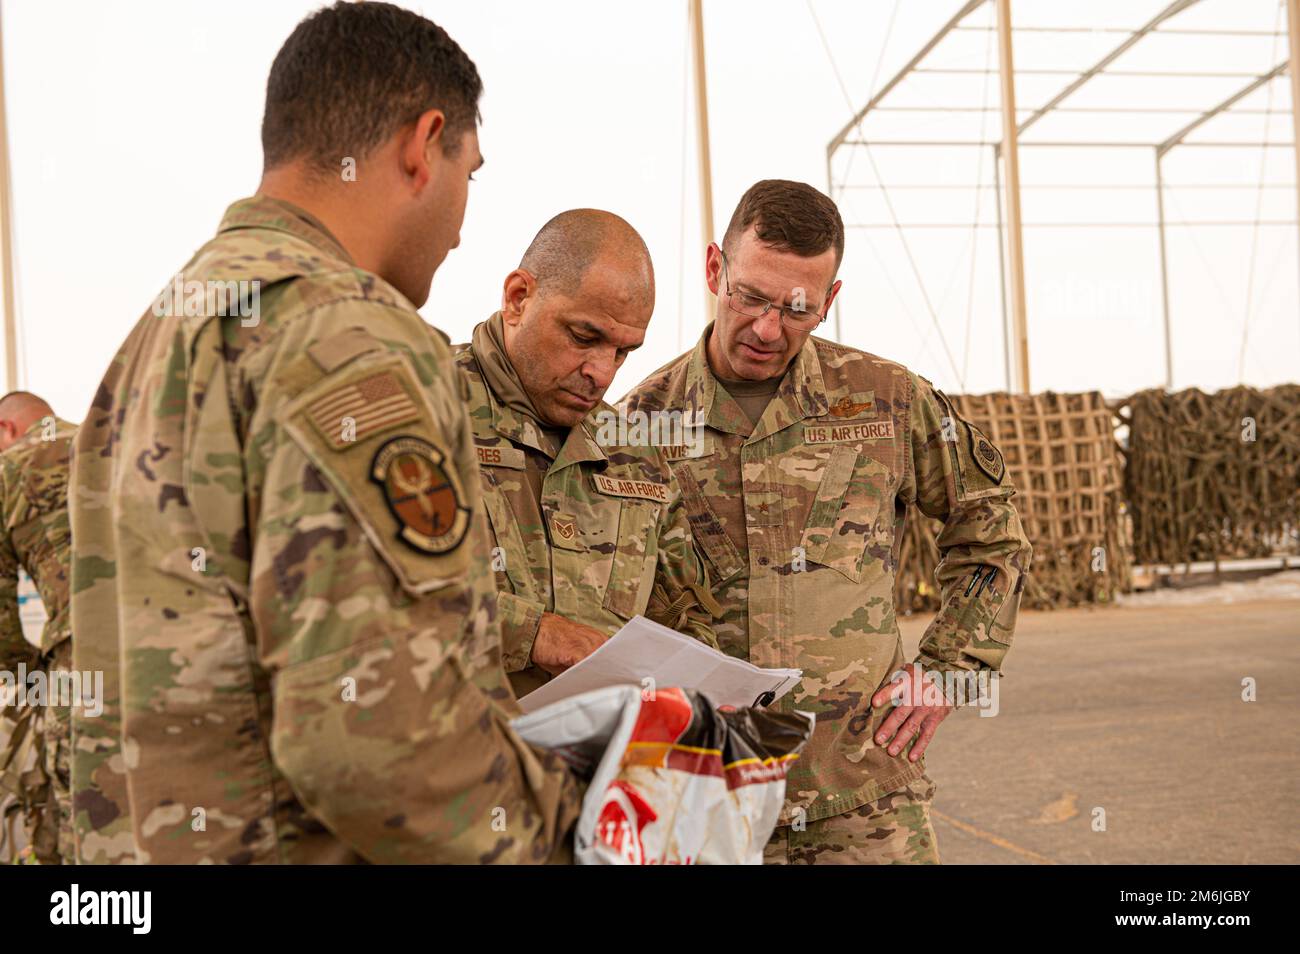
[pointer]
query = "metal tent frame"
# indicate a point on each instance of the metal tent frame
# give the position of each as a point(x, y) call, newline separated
point(1006, 148)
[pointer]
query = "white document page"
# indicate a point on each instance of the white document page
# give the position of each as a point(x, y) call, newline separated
point(644, 649)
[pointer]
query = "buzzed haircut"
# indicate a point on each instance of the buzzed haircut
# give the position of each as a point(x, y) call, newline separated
point(788, 215)
point(351, 75)
point(16, 402)
point(566, 246)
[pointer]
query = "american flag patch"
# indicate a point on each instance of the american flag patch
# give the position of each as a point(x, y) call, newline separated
point(362, 409)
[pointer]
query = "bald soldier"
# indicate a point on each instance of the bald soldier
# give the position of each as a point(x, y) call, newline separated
point(587, 530)
point(812, 452)
point(280, 554)
point(35, 453)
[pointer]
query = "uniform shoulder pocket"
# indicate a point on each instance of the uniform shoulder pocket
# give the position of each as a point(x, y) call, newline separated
point(371, 433)
point(979, 469)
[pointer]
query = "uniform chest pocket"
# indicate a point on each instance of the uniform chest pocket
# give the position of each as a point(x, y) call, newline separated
point(636, 553)
point(842, 523)
point(710, 537)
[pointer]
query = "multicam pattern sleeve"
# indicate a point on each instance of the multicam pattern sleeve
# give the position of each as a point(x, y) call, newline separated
point(959, 476)
point(402, 677)
point(13, 647)
point(280, 566)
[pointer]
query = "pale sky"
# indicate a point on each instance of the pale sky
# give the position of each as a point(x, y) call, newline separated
point(133, 125)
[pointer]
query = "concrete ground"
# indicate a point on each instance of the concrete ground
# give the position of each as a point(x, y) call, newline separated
point(1137, 711)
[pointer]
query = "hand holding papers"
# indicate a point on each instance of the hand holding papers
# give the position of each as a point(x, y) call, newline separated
point(644, 650)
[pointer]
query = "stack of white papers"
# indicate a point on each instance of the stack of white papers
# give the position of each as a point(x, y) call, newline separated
point(652, 656)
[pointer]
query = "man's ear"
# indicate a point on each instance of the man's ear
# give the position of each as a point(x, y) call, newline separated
point(519, 286)
point(713, 268)
point(835, 290)
point(421, 137)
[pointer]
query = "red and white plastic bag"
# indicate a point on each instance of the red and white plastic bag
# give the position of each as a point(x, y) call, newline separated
point(673, 780)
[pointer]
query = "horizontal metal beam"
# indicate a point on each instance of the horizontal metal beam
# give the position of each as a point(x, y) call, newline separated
point(1076, 110)
point(1242, 223)
point(1078, 186)
point(1175, 8)
point(1175, 74)
point(1061, 144)
point(1121, 31)
point(898, 77)
point(1242, 93)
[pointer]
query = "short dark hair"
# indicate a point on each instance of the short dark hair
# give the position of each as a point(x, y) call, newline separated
point(788, 215)
point(351, 75)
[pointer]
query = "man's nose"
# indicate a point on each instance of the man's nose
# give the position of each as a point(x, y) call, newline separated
point(768, 326)
point(599, 370)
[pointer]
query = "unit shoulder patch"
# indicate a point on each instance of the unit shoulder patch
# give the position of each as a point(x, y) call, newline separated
point(422, 494)
point(987, 457)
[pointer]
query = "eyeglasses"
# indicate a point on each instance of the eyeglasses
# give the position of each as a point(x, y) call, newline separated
point(754, 306)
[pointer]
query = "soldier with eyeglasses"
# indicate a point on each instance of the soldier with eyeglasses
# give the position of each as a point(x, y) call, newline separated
point(797, 493)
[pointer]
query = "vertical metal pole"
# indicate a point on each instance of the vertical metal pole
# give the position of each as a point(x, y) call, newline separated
point(702, 139)
point(7, 240)
point(1293, 40)
point(1164, 274)
point(830, 191)
point(1007, 360)
point(1015, 236)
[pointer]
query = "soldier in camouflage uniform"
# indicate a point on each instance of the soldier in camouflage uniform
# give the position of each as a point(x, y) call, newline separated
point(280, 554)
point(588, 529)
point(797, 494)
point(34, 536)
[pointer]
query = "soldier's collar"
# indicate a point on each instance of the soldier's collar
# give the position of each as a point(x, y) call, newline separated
point(802, 393)
point(263, 212)
point(512, 423)
point(579, 445)
point(39, 425)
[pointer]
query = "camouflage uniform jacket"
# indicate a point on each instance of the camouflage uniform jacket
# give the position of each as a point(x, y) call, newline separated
point(35, 537)
point(821, 484)
point(34, 508)
point(280, 563)
point(610, 540)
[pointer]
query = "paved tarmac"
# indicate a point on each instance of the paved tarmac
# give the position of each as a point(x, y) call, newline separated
point(1131, 717)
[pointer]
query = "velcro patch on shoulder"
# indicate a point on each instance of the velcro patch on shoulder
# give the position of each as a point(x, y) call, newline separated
point(986, 457)
point(401, 479)
point(332, 353)
point(361, 408)
point(422, 493)
point(500, 456)
point(621, 487)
